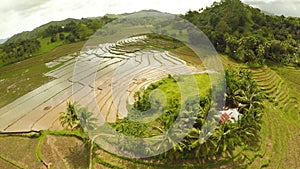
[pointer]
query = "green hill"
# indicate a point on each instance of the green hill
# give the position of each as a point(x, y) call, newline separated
point(249, 35)
point(47, 37)
point(37, 32)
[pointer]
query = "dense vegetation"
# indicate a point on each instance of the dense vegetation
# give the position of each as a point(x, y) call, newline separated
point(21, 49)
point(162, 96)
point(247, 34)
point(202, 141)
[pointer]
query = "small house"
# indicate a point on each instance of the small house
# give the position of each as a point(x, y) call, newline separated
point(228, 114)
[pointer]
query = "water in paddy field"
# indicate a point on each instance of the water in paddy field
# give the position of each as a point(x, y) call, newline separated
point(102, 78)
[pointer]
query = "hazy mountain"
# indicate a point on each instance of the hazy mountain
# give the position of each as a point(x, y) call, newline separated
point(37, 31)
point(2, 41)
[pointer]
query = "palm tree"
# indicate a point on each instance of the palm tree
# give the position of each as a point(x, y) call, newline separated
point(169, 139)
point(249, 100)
point(86, 119)
point(87, 124)
point(226, 138)
point(69, 118)
point(200, 141)
point(249, 125)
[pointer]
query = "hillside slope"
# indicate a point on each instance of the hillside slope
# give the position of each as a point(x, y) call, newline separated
point(247, 34)
point(47, 37)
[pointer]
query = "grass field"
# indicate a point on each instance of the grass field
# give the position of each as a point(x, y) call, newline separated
point(291, 76)
point(183, 85)
point(46, 46)
point(64, 152)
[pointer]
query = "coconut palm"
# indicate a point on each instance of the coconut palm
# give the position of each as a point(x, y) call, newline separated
point(87, 124)
point(226, 138)
point(86, 119)
point(249, 100)
point(169, 139)
point(200, 140)
point(69, 118)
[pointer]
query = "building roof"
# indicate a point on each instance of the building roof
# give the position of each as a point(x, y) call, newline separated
point(230, 114)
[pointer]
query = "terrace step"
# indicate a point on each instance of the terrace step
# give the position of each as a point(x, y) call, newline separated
point(270, 77)
point(264, 76)
point(271, 88)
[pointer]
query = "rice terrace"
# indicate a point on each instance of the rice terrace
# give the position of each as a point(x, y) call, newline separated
point(211, 88)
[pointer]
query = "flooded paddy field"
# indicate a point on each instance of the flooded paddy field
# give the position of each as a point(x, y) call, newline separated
point(102, 78)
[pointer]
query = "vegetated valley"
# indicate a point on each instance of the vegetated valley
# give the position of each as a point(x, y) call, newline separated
point(41, 127)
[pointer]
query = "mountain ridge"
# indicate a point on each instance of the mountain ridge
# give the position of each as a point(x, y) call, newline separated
point(227, 24)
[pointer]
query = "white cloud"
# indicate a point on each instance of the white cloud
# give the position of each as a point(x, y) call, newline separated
point(17, 16)
point(278, 7)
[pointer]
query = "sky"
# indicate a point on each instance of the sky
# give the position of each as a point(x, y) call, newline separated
point(25, 15)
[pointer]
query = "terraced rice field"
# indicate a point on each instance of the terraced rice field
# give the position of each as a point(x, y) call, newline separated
point(106, 78)
point(103, 78)
point(277, 91)
point(23, 151)
point(281, 128)
point(280, 133)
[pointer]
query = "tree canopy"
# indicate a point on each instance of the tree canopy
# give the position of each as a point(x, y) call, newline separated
point(247, 34)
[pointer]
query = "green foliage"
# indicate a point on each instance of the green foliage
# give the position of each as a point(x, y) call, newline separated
point(19, 50)
point(130, 128)
point(205, 141)
point(62, 36)
point(243, 92)
point(69, 119)
point(86, 119)
point(38, 148)
point(78, 118)
point(248, 35)
point(40, 31)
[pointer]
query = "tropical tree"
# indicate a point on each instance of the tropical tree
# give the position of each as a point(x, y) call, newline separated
point(87, 120)
point(248, 100)
point(68, 119)
point(201, 142)
point(87, 124)
point(249, 126)
point(169, 139)
point(81, 118)
point(245, 92)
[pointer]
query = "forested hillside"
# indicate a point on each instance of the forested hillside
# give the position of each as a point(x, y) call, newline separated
point(46, 37)
point(247, 34)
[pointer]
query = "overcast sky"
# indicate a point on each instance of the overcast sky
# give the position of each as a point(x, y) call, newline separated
point(23, 15)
